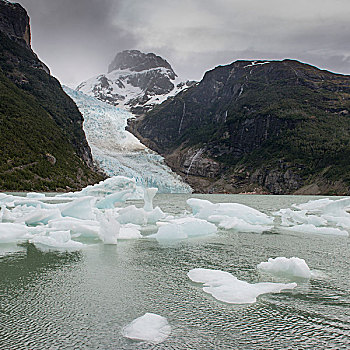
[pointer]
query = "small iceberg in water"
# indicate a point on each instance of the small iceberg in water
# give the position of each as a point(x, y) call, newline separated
point(150, 327)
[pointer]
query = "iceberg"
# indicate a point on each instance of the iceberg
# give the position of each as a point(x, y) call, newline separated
point(104, 188)
point(56, 240)
point(129, 231)
point(11, 232)
point(40, 216)
point(237, 224)
point(84, 228)
point(204, 209)
point(138, 216)
point(290, 267)
point(184, 228)
point(109, 228)
point(227, 288)
point(150, 327)
point(148, 196)
point(80, 208)
point(109, 201)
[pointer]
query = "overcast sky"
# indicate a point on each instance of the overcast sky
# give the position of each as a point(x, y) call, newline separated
point(77, 39)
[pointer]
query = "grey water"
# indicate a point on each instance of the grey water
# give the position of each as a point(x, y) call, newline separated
point(82, 300)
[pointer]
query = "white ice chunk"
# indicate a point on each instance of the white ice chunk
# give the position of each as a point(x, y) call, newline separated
point(229, 223)
point(308, 228)
point(154, 215)
point(129, 231)
point(56, 240)
point(109, 201)
point(184, 228)
point(10, 232)
point(85, 228)
point(149, 327)
point(109, 229)
point(286, 267)
point(148, 196)
point(225, 287)
point(132, 215)
point(40, 216)
point(6, 215)
point(80, 208)
point(203, 209)
point(106, 187)
point(313, 205)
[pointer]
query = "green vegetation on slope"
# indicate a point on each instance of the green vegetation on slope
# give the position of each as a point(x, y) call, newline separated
point(34, 153)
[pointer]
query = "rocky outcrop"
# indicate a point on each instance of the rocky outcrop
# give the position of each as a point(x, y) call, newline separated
point(135, 81)
point(14, 21)
point(255, 126)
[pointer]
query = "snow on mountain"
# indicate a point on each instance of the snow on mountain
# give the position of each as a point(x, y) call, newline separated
point(135, 81)
point(117, 151)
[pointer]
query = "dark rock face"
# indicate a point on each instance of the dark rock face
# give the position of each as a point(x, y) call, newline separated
point(25, 78)
point(14, 21)
point(138, 61)
point(265, 126)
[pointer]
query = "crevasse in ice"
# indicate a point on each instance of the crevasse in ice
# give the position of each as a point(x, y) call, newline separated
point(118, 152)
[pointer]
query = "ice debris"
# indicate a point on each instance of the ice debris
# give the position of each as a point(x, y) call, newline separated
point(109, 228)
point(231, 215)
point(225, 287)
point(289, 267)
point(150, 327)
point(56, 240)
point(321, 216)
point(184, 228)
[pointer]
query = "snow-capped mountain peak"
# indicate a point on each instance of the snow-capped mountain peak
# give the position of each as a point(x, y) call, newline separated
point(135, 81)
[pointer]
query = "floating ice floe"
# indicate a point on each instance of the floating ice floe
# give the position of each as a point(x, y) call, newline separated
point(109, 228)
point(129, 231)
point(148, 196)
point(40, 216)
point(289, 267)
point(11, 232)
point(150, 327)
point(80, 208)
point(231, 215)
point(109, 201)
point(139, 216)
point(106, 187)
point(225, 287)
point(79, 227)
point(322, 216)
point(56, 240)
point(184, 228)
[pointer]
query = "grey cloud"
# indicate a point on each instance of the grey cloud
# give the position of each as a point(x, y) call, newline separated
point(78, 38)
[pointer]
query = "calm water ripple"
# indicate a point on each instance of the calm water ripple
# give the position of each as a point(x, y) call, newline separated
point(83, 300)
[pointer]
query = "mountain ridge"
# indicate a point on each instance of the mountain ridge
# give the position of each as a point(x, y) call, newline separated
point(135, 81)
point(256, 126)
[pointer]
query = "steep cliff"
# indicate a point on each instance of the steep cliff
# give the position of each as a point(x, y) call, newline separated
point(259, 126)
point(43, 145)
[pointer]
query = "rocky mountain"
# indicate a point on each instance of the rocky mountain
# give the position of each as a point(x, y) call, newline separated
point(257, 126)
point(135, 81)
point(42, 143)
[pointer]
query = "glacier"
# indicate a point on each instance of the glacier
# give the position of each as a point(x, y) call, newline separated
point(118, 152)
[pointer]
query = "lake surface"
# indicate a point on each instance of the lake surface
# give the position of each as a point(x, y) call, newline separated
point(82, 300)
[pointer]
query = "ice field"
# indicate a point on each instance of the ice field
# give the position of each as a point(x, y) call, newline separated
point(120, 266)
point(117, 151)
